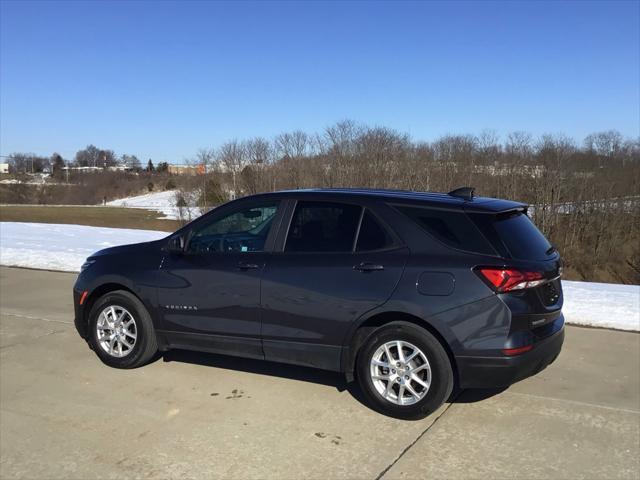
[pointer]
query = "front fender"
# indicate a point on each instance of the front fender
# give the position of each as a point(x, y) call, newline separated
point(138, 277)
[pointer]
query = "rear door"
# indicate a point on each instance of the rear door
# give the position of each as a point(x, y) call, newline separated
point(337, 261)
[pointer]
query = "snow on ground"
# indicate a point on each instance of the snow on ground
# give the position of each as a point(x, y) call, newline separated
point(608, 305)
point(65, 247)
point(61, 247)
point(163, 202)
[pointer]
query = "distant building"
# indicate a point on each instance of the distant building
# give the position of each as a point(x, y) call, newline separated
point(83, 169)
point(185, 170)
point(4, 168)
point(113, 168)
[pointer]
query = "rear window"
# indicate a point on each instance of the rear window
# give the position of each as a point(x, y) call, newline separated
point(455, 229)
point(518, 233)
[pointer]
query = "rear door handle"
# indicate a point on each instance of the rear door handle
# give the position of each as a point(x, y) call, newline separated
point(248, 266)
point(368, 267)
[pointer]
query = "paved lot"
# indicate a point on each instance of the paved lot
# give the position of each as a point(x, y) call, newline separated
point(65, 415)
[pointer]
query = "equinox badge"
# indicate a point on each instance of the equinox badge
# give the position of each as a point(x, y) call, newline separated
point(181, 307)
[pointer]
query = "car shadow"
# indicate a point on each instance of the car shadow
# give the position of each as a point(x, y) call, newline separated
point(303, 374)
point(474, 395)
point(260, 367)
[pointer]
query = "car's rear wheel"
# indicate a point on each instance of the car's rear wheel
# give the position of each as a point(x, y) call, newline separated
point(121, 331)
point(404, 371)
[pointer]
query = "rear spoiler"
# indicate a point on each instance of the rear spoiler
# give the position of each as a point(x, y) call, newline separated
point(484, 204)
point(495, 206)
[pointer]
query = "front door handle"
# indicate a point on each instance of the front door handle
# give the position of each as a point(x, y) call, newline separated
point(248, 266)
point(368, 267)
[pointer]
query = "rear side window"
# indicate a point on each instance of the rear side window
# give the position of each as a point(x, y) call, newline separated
point(372, 235)
point(323, 227)
point(518, 233)
point(452, 228)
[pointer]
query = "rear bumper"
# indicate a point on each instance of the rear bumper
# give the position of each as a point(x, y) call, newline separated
point(493, 372)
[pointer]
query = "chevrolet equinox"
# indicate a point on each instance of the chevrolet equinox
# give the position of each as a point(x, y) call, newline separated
point(409, 293)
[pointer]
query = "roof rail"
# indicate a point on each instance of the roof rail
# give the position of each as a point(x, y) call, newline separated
point(465, 193)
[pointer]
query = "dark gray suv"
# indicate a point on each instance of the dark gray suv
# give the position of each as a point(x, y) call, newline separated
point(410, 293)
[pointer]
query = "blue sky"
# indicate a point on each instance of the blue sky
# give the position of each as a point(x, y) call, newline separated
point(162, 79)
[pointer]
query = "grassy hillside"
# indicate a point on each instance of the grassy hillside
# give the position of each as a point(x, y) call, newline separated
point(96, 216)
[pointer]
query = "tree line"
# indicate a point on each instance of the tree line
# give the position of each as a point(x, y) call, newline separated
point(91, 156)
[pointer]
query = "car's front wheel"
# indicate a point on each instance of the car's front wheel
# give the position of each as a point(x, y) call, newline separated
point(121, 331)
point(403, 371)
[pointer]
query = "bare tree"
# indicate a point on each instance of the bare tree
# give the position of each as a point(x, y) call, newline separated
point(203, 160)
point(605, 144)
point(232, 157)
point(28, 163)
point(258, 151)
point(92, 156)
point(293, 145)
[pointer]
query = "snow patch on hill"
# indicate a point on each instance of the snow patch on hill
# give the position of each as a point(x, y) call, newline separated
point(163, 202)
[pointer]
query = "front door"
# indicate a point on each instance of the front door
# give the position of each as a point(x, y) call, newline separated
point(339, 261)
point(210, 295)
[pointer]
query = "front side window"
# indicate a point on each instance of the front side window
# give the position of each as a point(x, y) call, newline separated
point(245, 230)
point(323, 227)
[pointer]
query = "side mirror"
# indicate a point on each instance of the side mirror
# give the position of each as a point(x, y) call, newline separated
point(176, 244)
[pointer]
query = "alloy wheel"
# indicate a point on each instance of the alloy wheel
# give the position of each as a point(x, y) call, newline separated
point(400, 372)
point(116, 331)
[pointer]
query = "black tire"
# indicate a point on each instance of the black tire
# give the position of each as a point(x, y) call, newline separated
point(146, 344)
point(442, 381)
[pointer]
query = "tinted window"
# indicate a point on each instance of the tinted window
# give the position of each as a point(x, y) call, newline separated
point(323, 227)
point(518, 233)
point(450, 227)
point(372, 235)
point(245, 230)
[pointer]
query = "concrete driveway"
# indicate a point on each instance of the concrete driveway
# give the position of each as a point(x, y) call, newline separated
point(65, 415)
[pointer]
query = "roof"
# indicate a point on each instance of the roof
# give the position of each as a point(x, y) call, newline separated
point(427, 198)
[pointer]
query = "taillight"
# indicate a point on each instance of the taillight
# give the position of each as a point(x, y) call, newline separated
point(510, 352)
point(508, 279)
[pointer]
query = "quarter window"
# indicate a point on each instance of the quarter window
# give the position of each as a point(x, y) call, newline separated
point(372, 235)
point(241, 231)
point(323, 227)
